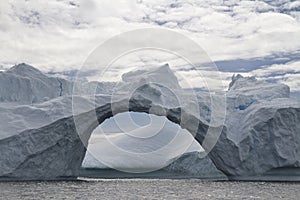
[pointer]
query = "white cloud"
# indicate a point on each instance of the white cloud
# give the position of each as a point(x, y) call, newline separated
point(60, 34)
point(284, 73)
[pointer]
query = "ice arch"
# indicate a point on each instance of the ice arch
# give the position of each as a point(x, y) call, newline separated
point(56, 151)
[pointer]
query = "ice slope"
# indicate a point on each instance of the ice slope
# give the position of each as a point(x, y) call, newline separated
point(195, 163)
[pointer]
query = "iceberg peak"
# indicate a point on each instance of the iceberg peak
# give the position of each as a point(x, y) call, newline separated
point(26, 70)
point(161, 75)
point(238, 81)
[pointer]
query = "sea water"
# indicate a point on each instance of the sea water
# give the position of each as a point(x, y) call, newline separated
point(148, 189)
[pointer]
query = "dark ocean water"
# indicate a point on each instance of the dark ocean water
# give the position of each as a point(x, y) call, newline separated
point(149, 189)
point(113, 184)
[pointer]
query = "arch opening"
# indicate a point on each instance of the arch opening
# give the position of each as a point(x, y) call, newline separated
point(138, 142)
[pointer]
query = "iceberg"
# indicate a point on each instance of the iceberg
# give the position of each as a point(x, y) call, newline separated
point(40, 138)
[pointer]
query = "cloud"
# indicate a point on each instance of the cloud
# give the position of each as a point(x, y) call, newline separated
point(55, 35)
point(59, 35)
point(288, 73)
point(248, 65)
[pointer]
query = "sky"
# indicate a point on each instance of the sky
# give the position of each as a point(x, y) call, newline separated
point(259, 37)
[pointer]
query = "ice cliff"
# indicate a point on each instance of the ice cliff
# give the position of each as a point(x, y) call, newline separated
point(39, 139)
